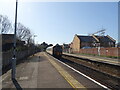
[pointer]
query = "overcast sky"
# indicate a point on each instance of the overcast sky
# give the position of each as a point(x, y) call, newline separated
point(58, 22)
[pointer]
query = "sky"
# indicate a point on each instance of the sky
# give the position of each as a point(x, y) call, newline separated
point(58, 22)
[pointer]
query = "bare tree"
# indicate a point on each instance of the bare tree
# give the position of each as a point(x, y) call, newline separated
point(23, 33)
point(5, 25)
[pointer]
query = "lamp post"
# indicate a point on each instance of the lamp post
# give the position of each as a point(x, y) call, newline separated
point(99, 48)
point(14, 51)
point(34, 38)
point(34, 41)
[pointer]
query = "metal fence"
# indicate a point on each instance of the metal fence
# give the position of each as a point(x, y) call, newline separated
point(7, 56)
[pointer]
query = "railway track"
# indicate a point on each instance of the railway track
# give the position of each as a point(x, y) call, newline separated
point(106, 74)
point(111, 69)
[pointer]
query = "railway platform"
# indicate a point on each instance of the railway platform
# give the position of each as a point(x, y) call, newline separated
point(36, 72)
point(111, 61)
point(44, 71)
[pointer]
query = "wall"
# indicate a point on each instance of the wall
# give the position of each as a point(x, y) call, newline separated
point(76, 44)
point(7, 56)
point(103, 51)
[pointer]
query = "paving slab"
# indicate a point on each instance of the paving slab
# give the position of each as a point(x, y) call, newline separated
point(36, 72)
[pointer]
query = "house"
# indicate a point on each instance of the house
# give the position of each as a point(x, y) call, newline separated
point(66, 47)
point(82, 42)
point(118, 44)
point(8, 40)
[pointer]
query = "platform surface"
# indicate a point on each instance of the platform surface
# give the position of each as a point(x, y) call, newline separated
point(44, 71)
point(97, 58)
point(36, 73)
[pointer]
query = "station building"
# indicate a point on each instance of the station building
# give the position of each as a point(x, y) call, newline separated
point(7, 41)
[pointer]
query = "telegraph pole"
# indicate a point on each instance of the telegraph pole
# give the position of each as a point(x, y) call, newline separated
point(14, 51)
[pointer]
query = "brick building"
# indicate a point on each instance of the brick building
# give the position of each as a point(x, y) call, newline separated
point(66, 47)
point(81, 42)
point(8, 40)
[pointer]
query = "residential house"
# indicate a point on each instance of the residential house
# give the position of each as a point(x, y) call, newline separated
point(66, 48)
point(82, 42)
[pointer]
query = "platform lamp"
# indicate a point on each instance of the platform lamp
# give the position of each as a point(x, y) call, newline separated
point(14, 45)
point(34, 41)
point(34, 38)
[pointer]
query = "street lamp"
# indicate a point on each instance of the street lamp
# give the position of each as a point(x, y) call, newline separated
point(99, 48)
point(34, 38)
point(34, 41)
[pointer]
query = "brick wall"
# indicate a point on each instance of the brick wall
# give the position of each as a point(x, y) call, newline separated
point(103, 51)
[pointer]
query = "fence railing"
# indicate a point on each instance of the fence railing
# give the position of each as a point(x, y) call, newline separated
point(7, 56)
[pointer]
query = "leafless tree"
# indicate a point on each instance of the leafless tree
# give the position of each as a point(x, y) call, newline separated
point(23, 33)
point(5, 25)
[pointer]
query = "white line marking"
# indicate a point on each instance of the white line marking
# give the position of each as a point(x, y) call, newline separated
point(23, 78)
point(4, 78)
point(84, 75)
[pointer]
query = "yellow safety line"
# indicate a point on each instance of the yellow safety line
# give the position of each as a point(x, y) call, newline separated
point(73, 82)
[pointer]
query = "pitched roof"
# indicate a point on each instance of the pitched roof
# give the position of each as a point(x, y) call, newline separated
point(86, 38)
point(104, 39)
point(92, 39)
